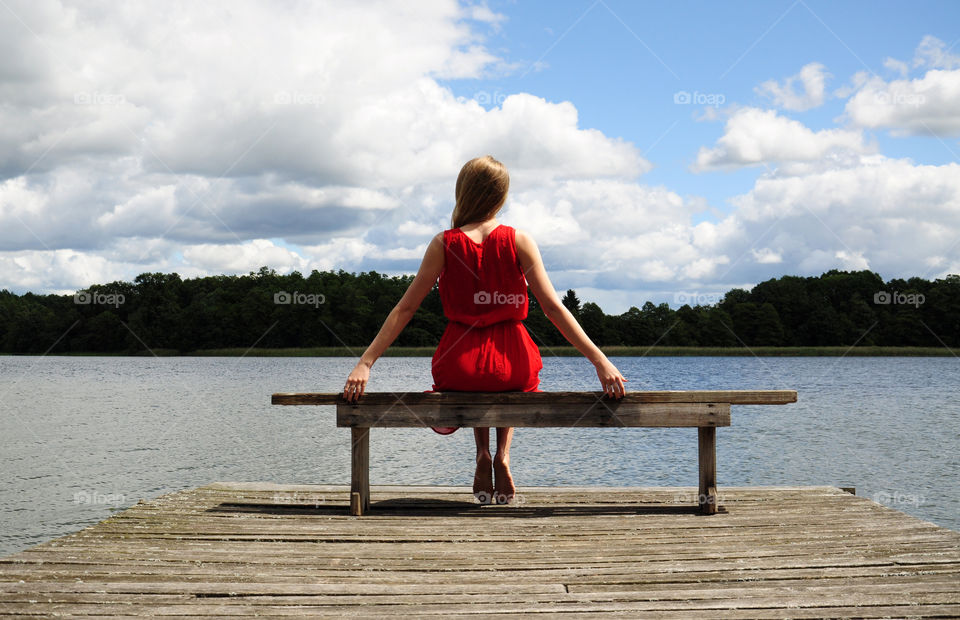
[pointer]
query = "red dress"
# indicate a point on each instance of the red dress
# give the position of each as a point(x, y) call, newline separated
point(485, 347)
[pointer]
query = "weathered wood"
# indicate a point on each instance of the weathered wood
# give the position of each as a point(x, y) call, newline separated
point(704, 409)
point(618, 574)
point(360, 471)
point(707, 447)
point(418, 399)
point(537, 415)
point(233, 549)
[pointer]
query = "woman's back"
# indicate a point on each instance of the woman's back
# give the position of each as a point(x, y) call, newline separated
point(485, 347)
point(482, 282)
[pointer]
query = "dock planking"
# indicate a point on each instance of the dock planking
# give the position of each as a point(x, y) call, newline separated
point(276, 549)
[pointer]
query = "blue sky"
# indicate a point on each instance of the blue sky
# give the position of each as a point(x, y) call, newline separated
point(622, 62)
point(220, 137)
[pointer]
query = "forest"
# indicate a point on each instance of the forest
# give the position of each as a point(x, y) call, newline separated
point(264, 309)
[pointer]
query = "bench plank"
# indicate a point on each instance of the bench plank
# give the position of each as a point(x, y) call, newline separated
point(604, 413)
point(412, 399)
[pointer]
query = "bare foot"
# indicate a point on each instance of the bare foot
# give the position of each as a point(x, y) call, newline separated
point(483, 480)
point(505, 489)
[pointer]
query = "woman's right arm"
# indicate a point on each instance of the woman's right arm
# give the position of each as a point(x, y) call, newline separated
point(427, 275)
point(532, 263)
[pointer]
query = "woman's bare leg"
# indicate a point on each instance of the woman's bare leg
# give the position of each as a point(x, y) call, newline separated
point(505, 488)
point(483, 478)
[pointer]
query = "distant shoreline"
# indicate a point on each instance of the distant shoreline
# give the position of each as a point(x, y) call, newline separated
point(551, 352)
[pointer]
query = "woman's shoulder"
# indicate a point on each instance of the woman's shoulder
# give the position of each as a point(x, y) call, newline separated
point(526, 247)
point(438, 241)
point(521, 235)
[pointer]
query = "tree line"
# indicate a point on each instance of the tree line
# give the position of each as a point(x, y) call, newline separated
point(327, 309)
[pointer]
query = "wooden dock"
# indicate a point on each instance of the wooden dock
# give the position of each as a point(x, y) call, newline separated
point(270, 549)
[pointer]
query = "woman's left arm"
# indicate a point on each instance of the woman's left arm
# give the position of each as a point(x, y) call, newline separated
point(398, 318)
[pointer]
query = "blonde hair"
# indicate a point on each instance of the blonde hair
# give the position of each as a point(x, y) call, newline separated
point(481, 190)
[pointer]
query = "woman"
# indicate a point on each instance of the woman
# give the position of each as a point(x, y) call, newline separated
point(484, 268)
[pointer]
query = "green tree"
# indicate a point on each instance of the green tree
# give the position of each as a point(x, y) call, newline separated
point(165, 312)
point(768, 332)
point(592, 321)
point(718, 330)
point(572, 303)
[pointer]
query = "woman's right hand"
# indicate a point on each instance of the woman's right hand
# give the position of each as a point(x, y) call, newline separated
point(611, 379)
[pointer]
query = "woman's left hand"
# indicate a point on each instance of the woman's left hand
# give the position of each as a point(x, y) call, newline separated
point(356, 382)
point(610, 379)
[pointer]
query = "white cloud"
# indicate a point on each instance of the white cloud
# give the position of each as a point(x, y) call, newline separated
point(897, 66)
point(482, 12)
point(926, 105)
point(932, 52)
point(340, 253)
point(416, 229)
point(612, 233)
point(151, 210)
point(852, 261)
point(57, 270)
point(812, 78)
point(243, 257)
point(888, 215)
point(194, 89)
point(704, 268)
point(158, 128)
point(755, 137)
point(767, 256)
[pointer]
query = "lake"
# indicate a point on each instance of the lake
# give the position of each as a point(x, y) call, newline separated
point(81, 437)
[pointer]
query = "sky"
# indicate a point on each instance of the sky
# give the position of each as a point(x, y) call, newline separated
point(658, 151)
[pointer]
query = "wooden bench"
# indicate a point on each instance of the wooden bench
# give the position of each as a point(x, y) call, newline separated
point(705, 410)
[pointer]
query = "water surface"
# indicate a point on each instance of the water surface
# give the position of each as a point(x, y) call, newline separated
point(83, 436)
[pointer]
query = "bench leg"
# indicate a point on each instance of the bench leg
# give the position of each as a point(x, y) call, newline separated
point(360, 471)
point(707, 436)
